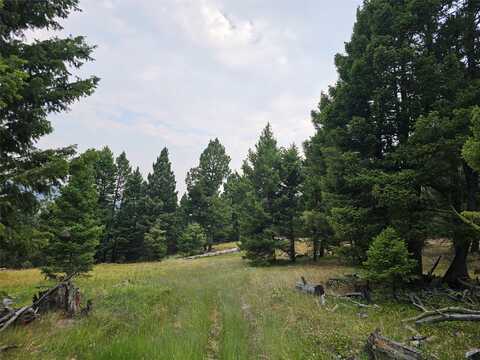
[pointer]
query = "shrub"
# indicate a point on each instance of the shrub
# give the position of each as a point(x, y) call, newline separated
point(156, 241)
point(193, 240)
point(388, 259)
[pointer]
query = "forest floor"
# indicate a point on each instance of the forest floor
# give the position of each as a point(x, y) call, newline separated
point(217, 308)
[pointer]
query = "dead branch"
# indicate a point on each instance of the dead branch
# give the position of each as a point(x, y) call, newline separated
point(7, 347)
point(473, 354)
point(381, 347)
point(432, 270)
point(417, 302)
point(446, 314)
point(448, 317)
point(63, 296)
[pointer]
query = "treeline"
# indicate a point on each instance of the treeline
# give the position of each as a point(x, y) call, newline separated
point(393, 162)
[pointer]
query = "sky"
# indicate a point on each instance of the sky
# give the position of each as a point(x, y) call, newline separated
point(178, 73)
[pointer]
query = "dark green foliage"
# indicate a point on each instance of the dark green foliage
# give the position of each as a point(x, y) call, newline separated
point(389, 134)
point(388, 259)
point(193, 240)
point(156, 242)
point(35, 81)
point(471, 148)
point(162, 199)
point(123, 173)
point(105, 178)
point(288, 205)
point(261, 171)
point(204, 205)
point(73, 221)
point(131, 223)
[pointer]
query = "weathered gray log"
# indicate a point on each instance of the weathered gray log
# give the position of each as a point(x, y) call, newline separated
point(443, 312)
point(304, 286)
point(381, 348)
point(7, 347)
point(213, 253)
point(316, 290)
point(473, 354)
point(447, 317)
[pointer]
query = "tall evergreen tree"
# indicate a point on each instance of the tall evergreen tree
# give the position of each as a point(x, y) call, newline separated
point(35, 78)
point(288, 205)
point(132, 220)
point(261, 170)
point(105, 176)
point(204, 183)
point(73, 221)
point(123, 172)
point(162, 198)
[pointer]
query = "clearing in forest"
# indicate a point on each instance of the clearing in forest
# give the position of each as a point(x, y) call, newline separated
point(214, 308)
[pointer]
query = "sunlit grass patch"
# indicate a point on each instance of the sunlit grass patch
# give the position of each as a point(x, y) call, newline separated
point(164, 311)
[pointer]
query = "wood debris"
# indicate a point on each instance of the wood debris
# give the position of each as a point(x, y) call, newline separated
point(65, 296)
point(381, 347)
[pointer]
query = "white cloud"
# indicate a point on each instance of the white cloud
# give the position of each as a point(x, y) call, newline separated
point(233, 41)
point(177, 73)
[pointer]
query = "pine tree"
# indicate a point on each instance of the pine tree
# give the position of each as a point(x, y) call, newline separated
point(36, 80)
point(193, 240)
point(105, 176)
point(73, 221)
point(261, 170)
point(162, 197)
point(288, 205)
point(388, 259)
point(132, 220)
point(204, 183)
point(156, 242)
point(314, 217)
point(124, 171)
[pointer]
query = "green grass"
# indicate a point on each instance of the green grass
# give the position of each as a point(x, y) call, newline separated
point(213, 308)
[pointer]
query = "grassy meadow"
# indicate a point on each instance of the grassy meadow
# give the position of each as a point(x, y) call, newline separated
point(215, 308)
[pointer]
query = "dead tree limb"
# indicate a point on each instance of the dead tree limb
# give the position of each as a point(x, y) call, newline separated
point(447, 317)
point(7, 347)
point(432, 270)
point(381, 347)
point(473, 354)
point(316, 290)
point(446, 314)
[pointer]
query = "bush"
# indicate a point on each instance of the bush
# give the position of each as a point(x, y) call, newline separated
point(193, 240)
point(156, 241)
point(388, 259)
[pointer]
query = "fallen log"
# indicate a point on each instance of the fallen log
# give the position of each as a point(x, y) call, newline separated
point(316, 290)
point(381, 347)
point(7, 347)
point(213, 253)
point(473, 354)
point(443, 312)
point(65, 296)
point(447, 317)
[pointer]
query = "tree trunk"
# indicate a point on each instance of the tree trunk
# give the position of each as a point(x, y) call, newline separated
point(458, 267)
point(415, 248)
point(292, 249)
point(315, 248)
point(475, 248)
point(322, 248)
point(114, 252)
